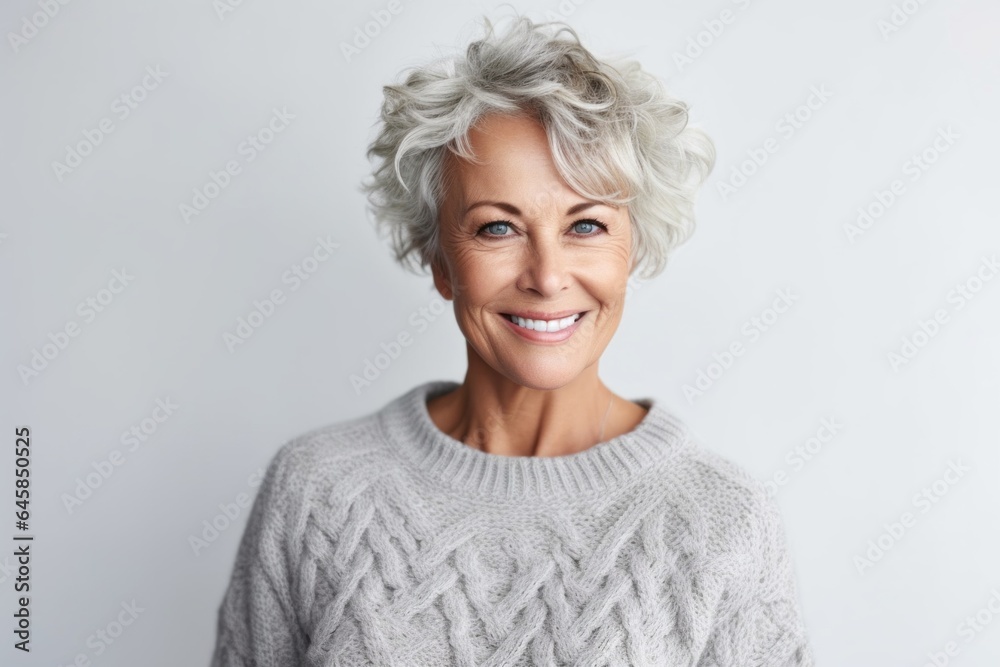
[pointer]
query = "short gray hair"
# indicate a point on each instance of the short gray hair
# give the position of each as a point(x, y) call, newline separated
point(615, 134)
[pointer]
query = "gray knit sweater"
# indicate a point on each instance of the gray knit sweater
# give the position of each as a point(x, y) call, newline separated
point(383, 541)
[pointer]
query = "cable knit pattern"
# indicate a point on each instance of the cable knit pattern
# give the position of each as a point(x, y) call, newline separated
point(384, 541)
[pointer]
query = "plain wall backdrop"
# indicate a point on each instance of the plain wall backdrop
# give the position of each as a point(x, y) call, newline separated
point(856, 176)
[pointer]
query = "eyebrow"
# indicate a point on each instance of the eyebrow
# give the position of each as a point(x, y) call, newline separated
point(513, 210)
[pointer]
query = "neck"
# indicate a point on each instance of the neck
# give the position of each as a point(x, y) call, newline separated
point(491, 413)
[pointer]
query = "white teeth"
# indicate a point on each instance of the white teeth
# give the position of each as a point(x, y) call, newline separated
point(545, 325)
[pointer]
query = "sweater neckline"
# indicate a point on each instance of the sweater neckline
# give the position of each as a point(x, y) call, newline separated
point(608, 465)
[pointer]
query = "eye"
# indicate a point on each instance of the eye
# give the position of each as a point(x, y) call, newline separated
point(494, 224)
point(592, 224)
point(497, 228)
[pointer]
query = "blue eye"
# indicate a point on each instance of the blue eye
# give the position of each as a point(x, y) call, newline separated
point(592, 223)
point(589, 230)
point(495, 223)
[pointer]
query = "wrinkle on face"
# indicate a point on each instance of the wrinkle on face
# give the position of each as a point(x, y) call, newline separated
point(545, 262)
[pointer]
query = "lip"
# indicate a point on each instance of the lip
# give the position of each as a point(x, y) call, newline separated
point(538, 315)
point(545, 336)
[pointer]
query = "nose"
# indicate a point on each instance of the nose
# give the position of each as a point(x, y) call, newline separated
point(546, 265)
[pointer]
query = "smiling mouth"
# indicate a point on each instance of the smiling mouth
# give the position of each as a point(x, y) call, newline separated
point(550, 326)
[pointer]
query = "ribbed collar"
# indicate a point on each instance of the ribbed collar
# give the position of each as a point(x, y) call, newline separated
point(407, 424)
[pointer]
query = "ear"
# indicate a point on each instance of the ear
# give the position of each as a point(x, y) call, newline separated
point(442, 280)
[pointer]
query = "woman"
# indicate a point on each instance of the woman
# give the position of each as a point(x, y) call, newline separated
point(529, 515)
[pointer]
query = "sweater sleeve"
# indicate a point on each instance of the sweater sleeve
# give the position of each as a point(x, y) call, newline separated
point(257, 624)
point(760, 623)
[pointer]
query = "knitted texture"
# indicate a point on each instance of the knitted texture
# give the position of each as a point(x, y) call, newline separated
point(384, 541)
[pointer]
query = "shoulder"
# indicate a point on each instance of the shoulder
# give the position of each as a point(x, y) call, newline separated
point(308, 465)
point(723, 478)
point(730, 509)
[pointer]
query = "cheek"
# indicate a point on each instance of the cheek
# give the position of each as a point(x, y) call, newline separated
point(610, 271)
point(609, 285)
point(613, 305)
point(483, 274)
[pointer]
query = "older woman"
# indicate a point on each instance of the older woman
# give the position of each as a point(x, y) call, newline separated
point(529, 515)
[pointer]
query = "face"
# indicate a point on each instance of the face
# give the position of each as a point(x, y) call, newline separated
point(516, 238)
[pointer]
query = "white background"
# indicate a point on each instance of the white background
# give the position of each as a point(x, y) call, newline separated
point(827, 357)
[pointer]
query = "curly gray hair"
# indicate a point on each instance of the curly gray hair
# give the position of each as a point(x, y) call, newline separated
point(616, 137)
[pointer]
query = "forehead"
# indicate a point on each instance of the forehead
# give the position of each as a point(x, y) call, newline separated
point(496, 133)
point(513, 158)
